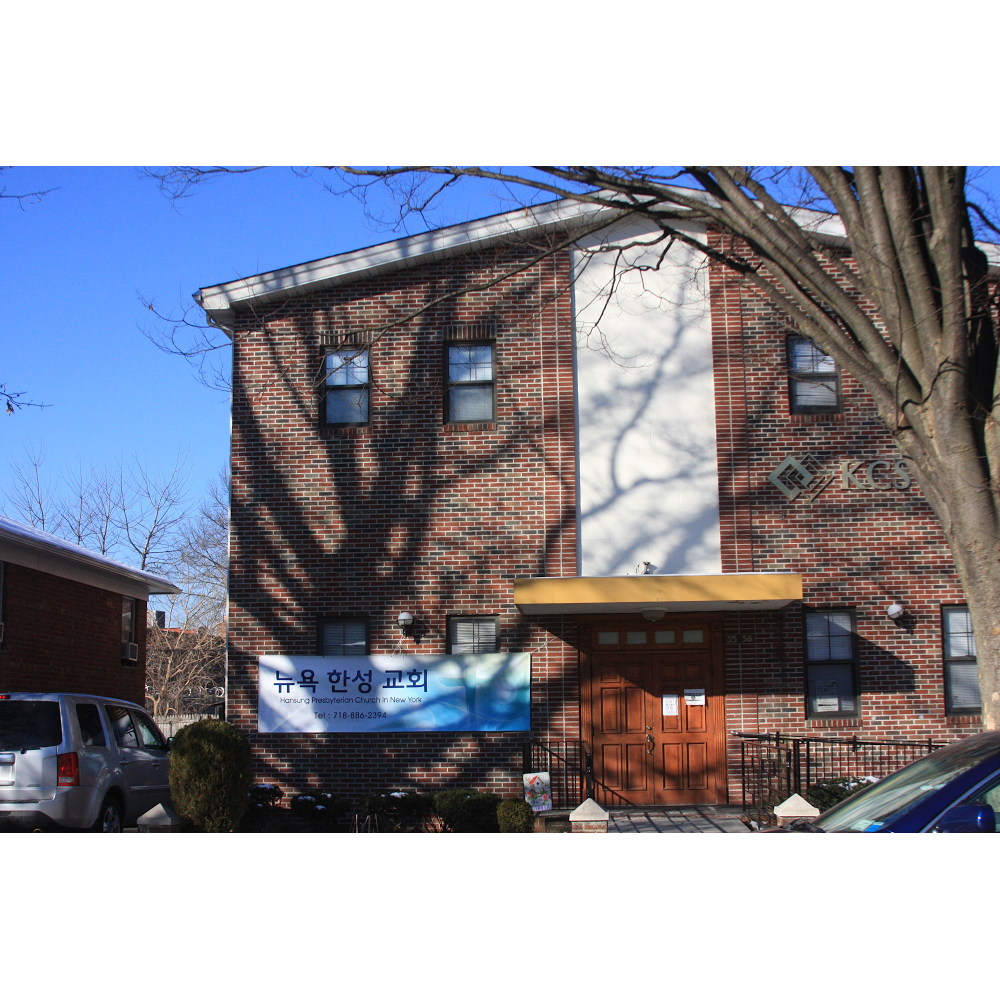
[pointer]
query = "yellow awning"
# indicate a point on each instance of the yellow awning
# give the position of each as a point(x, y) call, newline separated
point(618, 594)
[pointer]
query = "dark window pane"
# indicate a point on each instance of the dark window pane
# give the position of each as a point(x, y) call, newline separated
point(962, 693)
point(814, 392)
point(473, 635)
point(831, 688)
point(959, 640)
point(28, 725)
point(470, 402)
point(828, 636)
point(128, 619)
point(121, 726)
point(963, 686)
point(91, 730)
point(347, 406)
point(345, 638)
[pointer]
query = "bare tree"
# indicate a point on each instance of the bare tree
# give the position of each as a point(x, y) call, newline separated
point(185, 668)
point(186, 655)
point(201, 558)
point(878, 266)
point(127, 510)
point(31, 500)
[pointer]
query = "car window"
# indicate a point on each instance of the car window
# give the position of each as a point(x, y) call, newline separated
point(91, 730)
point(988, 795)
point(148, 732)
point(29, 725)
point(121, 726)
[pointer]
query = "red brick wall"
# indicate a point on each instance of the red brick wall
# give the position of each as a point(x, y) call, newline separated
point(854, 549)
point(406, 514)
point(60, 635)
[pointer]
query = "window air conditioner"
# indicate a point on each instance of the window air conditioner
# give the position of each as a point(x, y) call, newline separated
point(130, 651)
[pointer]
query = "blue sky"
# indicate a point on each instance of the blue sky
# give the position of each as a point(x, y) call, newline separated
point(76, 265)
point(74, 269)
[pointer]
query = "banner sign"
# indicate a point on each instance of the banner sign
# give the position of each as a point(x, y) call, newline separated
point(485, 693)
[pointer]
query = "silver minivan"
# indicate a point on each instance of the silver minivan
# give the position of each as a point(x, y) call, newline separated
point(78, 761)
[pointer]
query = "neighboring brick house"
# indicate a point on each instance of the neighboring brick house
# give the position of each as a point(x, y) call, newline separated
point(691, 521)
point(73, 620)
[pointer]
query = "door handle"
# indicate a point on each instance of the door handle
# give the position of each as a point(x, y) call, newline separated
point(649, 743)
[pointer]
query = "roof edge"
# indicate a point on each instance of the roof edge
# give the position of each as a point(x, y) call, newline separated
point(24, 545)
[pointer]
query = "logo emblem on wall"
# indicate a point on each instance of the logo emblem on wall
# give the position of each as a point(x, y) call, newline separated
point(805, 476)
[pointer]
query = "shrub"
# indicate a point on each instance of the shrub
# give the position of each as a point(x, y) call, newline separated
point(263, 796)
point(320, 808)
point(463, 810)
point(211, 774)
point(826, 794)
point(398, 811)
point(515, 816)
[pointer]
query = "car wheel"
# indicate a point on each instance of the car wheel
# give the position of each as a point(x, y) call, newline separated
point(109, 819)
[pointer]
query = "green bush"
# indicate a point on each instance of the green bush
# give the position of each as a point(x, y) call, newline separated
point(515, 816)
point(397, 811)
point(211, 772)
point(463, 810)
point(826, 794)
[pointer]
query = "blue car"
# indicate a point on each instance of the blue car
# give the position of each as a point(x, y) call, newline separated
point(954, 790)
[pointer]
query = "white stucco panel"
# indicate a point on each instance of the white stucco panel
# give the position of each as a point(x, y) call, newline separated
point(645, 408)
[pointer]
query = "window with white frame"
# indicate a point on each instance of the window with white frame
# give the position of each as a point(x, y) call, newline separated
point(961, 670)
point(831, 664)
point(347, 389)
point(343, 637)
point(470, 383)
point(813, 379)
point(473, 634)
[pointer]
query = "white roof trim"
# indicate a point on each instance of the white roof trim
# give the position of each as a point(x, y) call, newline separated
point(24, 545)
point(218, 301)
point(410, 251)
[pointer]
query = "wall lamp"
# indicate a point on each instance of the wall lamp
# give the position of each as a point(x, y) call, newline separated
point(653, 614)
point(405, 621)
point(899, 616)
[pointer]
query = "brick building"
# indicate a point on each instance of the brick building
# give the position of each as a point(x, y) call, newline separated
point(72, 620)
point(628, 512)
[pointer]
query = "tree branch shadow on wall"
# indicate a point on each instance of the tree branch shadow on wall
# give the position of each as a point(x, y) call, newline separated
point(314, 532)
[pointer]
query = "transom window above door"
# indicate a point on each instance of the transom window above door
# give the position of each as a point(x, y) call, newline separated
point(650, 637)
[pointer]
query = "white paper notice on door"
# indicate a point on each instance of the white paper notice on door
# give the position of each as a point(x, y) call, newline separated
point(694, 696)
point(671, 704)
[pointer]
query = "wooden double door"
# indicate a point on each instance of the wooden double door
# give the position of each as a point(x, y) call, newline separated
point(655, 719)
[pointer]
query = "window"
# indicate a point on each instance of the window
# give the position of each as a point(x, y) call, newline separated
point(813, 380)
point(91, 730)
point(148, 733)
point(347, 387)
point(470, 395)
point(343, 637)
point(128, 619)
point(472, 635)
point(961, 672)
point(831, 664)
point(130, 650)
point(122, 726)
